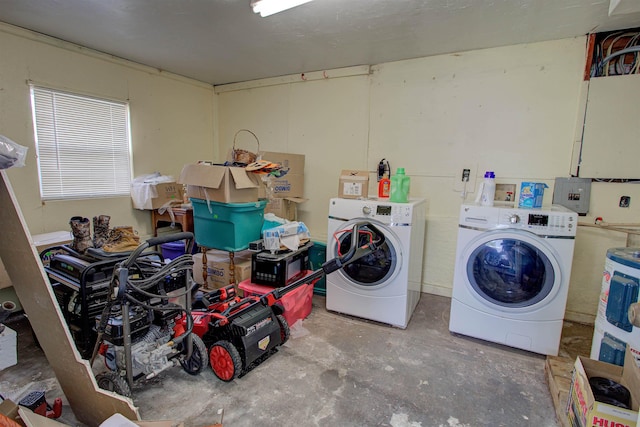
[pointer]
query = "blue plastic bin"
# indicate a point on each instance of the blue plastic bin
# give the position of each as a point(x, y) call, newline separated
point(227, 226)
point(173, 250)
point(317, 257)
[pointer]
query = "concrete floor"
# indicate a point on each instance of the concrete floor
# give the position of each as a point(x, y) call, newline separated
point(343, 371)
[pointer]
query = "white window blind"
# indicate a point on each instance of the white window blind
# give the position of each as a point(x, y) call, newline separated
point(83, 145)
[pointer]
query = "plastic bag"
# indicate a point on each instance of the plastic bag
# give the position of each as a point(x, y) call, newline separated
point(289, 236)
point(11, 153)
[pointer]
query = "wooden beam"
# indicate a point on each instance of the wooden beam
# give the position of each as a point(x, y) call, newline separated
point(90, 404)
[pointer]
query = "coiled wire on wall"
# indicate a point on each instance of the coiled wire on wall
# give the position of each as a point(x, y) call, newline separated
point(613, 56)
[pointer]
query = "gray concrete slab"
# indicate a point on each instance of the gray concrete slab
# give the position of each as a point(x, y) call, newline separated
point(344, 371)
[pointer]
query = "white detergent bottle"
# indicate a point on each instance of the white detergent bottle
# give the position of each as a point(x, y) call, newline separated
point(487, 191)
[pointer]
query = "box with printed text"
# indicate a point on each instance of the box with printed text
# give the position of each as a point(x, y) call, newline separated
point(218, 270)
point(288, 181)
point(603, 394)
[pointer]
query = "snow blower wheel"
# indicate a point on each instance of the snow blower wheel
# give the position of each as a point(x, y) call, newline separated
point(198, 360)
point(225, 361)
point(285, 331)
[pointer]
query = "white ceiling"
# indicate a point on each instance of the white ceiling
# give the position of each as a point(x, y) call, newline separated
point(223, 41)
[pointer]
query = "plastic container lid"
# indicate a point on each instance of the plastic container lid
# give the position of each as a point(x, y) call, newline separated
point(489, 174)
point(400, 171)
point(625, 256)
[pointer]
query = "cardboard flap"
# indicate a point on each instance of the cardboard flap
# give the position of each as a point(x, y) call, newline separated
point(356, 175)
point(202, 175)
point(293, 162)
point(296, 199)
point(242, 179)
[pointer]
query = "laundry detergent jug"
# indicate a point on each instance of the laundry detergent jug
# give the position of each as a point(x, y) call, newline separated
point(400, 184)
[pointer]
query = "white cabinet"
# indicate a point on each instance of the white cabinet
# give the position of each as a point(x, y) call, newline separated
point(611, 139)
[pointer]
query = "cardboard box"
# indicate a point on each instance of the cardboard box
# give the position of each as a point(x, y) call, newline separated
point(218, 272)
point(154, 196)
point(582, 407)
point(291, 181)
point(218, 183)
point(9, 409)
point(284, 208)
point(353, 184)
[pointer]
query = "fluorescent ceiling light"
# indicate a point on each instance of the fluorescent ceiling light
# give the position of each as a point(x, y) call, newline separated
point(269, 7)
point(620, 7)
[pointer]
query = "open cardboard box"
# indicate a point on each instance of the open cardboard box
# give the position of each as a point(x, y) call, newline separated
point(154, 196)
point(582, 408)
point(219, 183)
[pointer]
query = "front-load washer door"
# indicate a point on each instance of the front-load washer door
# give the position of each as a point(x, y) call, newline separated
point(512, 270)
point(373, 271)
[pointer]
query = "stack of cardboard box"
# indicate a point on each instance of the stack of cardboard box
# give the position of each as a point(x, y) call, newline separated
point(218, 272)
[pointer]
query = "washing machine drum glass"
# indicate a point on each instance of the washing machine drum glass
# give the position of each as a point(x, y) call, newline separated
point(510, 273)
point(372, 269)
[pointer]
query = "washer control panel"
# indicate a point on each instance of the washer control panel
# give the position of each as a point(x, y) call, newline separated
point(556, 221)
point(541, 222)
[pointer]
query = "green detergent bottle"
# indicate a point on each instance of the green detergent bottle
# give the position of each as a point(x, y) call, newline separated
point(400, 184)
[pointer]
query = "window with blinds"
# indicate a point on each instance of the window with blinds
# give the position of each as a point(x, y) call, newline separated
point(83, 145)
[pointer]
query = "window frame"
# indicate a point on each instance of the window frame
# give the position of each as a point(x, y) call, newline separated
point(81, 143)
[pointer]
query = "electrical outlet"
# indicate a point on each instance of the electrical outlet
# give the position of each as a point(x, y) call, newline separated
point(464, 178)
point(625, 201)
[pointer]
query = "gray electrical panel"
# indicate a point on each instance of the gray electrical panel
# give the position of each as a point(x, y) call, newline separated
point(573, 193)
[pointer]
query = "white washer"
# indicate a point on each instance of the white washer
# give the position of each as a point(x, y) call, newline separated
point(384, 286)
point(511, 275)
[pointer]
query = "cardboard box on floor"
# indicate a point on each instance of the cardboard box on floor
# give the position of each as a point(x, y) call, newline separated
point(218, 183)
point(354, 184)
point(218, 271)
point(582, 408)
point(288, 185)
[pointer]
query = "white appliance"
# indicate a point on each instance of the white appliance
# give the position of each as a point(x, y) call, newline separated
point(384, 286)
point(511, 275)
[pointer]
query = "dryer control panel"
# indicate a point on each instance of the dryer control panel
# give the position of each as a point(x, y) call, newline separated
point(394, 214)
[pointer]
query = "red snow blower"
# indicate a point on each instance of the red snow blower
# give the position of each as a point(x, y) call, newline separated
point(240, 333)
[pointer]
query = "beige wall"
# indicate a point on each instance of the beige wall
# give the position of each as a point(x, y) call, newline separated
point(513, 110)
point(171, 120)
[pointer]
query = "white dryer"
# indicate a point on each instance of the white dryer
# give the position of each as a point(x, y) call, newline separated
point(384, 286)
point(511, 276)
